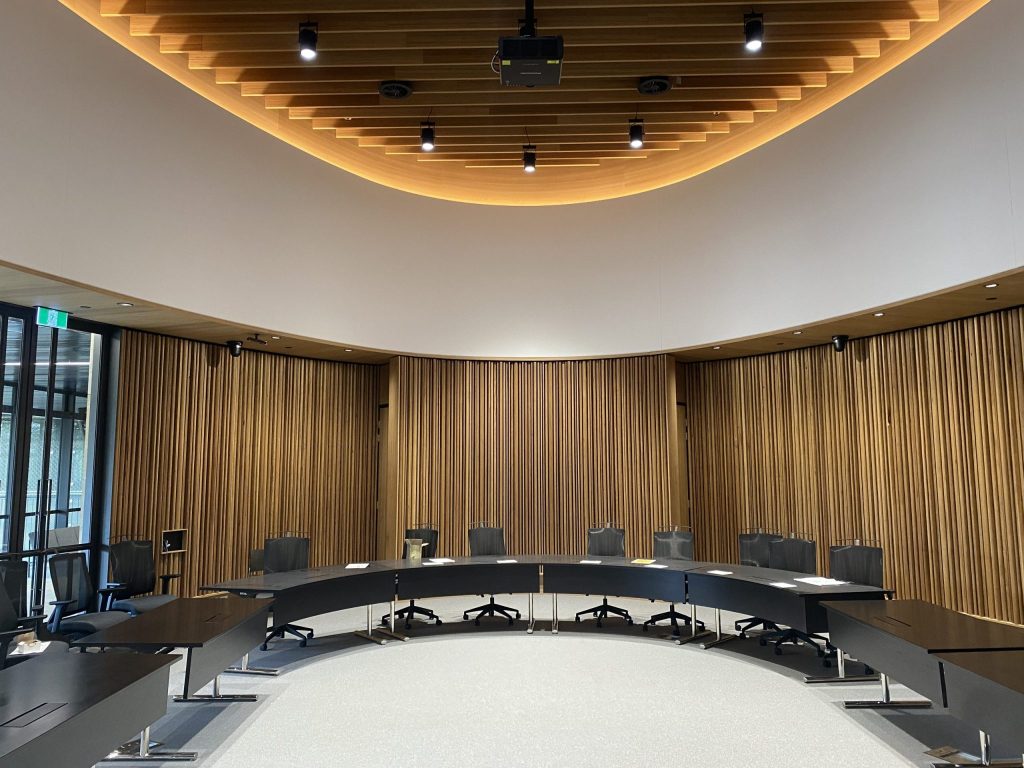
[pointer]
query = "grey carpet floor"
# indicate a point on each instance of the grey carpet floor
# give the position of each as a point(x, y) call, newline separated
point(460, 695)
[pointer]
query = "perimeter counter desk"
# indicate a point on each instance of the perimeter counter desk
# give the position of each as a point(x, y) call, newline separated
point(784, 597)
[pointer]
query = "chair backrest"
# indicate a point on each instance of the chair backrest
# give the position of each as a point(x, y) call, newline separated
point(484, 540)
point(131, 564)
point(430, 537)
point(606, 542)
point(285, 553)
point(14, 575)
point(673, 545)
point(856, 563)
point(755, 547)
point(69, 576)
point(8, 615)
point(800, 555)
point(255, 561)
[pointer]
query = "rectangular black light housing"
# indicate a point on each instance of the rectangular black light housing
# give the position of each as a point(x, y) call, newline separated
point(530, 61)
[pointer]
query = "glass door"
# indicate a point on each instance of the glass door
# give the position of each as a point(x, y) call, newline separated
point(12, 334)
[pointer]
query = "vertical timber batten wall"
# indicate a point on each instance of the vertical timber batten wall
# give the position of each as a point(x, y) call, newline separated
point(915, 439)
point(236, 450)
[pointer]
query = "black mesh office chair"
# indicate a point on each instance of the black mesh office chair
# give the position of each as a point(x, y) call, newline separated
point(255, 561)
point(800, 555)
point(672, 545)
point(286, 553)
point(72, 610)
point(430, 537)
point(12, 625)
point(483, 541)
point(14, 575)
point(606, 542)
point(754, 548)
point(857, 563)
point(134, 576)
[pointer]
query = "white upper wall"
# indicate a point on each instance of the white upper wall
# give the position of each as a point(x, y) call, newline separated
point(116, 176)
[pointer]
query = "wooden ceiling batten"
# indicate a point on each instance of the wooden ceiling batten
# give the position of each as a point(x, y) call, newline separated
point(816, 52)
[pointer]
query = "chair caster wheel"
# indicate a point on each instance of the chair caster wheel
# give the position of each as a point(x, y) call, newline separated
point(762, 641)
point(263, 647)
point(510, 622)
point(302, 643)
point(778, 651)
point(629, 622)
point(645, 627)
point(310, 636)
point(438, 621)
point(577, 618)
point(518, 615)
point(465, 617)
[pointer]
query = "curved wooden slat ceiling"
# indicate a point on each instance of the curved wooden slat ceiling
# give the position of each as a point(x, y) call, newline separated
point(724, 100)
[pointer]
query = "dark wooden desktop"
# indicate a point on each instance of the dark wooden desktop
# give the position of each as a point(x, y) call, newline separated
point(72, 709)
point(213, 632)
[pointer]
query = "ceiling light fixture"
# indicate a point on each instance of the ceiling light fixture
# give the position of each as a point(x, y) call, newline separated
point(529, 158)
point(309, 32)
point(879, 314)
point(798, 333)
point(347, 349)
point(276, 338)
point(427, 136)
point(753, 31)
point(125, 304)
point(991, 285)
point(716, 347)
point(636, 133)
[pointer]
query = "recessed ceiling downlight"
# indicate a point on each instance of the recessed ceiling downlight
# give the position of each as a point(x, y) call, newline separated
point(395, 89)
point(653, 85)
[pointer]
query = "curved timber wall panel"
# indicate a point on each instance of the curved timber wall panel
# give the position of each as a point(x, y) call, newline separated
point(125, 180)
point(915, 439)
point(236, 450)
point(542, 449)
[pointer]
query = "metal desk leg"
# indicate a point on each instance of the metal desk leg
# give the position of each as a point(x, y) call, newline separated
point(215, 696)
point(390, 631)
point(953, 756)
point(368, 634)
point(887, 702)
point(694, 634)
point(245, 669)
point(842, 677)
point(529, 625)
point(140, 752)
point(719, 637)
point(554, 614)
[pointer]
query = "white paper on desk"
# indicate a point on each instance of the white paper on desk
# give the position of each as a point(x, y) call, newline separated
point(357, 565)
point(504, 562)
point(721, 573)
point(655, 565)
point(440, 560)
point(431, 562)
point(26, 649)
point(590, 562)
point(783, 585)
point(820, 581)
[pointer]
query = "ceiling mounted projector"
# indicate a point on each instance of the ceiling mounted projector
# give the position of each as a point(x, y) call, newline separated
point(528, 60)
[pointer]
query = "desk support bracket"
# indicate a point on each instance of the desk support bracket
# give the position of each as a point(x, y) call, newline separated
point(139, 752)
point(953, 756)
point(887, 702)
point(390, 631)
point(215, 696)
point(368, 633)
point(245, 669)
point(695, 634)
point(554, 614)
point(842, 677)
point(530, 624)
point(719, 637)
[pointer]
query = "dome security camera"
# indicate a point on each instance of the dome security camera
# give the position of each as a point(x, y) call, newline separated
point(235, 348)
point(839, 341)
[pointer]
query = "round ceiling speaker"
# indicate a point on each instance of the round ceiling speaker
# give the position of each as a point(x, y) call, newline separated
point(652, 86)
point(395, 89)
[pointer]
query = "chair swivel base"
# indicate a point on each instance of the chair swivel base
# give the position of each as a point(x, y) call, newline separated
point(675, 617)
point(304, 634)
point(409, 613)
point(491, 609)
point(746, 625)
point(796, 637)
point(601, 612)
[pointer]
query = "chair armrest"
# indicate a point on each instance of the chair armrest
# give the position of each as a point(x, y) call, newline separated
point(165, 582)
point(58, 613)
point(10, 634)
point(107, 594)
point(34, 621)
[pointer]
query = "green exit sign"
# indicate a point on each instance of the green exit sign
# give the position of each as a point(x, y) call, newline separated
point(54, 318)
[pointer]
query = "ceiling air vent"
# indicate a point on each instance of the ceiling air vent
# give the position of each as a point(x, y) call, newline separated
point(394, 89)
point(652, 86)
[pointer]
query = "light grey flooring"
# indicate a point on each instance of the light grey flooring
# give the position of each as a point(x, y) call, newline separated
point(459, 695)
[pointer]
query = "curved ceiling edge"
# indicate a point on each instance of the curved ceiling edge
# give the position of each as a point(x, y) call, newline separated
point(584, 185)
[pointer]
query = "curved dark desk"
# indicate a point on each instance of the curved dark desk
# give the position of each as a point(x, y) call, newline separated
point(313, 591)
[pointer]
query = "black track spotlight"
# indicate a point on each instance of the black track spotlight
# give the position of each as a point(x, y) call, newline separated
point(839, 341)
point(529, 158)
point(636, 133)
point(235, 348)
point(308, 34)
point(753, 31)
point(427, 136)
